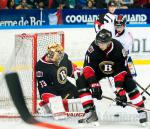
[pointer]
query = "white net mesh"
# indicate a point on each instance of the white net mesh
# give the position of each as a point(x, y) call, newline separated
point(46, 39)
point(28, 49)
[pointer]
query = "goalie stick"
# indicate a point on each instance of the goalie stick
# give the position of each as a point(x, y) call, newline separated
point(16, 93)
point(126, 104)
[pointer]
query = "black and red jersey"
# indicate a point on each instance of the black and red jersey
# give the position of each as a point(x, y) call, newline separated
point(110, 62)
point(49, 75)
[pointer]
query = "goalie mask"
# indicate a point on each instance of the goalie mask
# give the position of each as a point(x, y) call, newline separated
point(55, 53)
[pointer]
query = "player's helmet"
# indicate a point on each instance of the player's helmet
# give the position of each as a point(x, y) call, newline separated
point(111, 3)
point(120, 20)
point(55, 52)
point(103, 36)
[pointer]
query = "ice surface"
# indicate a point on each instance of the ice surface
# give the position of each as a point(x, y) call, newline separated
point(103, 109)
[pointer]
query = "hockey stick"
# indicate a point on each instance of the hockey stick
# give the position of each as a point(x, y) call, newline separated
point(16, 93)
point(144, 90)
point(126, 103)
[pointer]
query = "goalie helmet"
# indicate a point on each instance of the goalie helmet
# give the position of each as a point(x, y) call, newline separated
point(120, 20)
point(103, 36)
point(55, 52)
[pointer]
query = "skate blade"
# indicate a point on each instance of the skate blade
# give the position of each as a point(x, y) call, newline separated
point(92, 124)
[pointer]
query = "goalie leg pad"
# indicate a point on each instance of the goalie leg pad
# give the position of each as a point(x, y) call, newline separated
point(45, 97)
point(43, 108)
point(57, 108)
point(75, 105)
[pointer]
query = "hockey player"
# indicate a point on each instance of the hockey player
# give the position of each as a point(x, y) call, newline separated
point(106, 18)
point(52, 71)
point(126, 39)
point(120, 32)
point(106, 57)
point(123, 35)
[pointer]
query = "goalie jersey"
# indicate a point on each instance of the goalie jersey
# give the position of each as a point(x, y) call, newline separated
point(52, 78)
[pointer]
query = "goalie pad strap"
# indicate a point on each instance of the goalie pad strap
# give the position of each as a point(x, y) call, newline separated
point(45, 97)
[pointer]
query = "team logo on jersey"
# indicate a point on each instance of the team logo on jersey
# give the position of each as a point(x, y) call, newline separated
point(39, 74)
point(106, 67)
point(62, 75)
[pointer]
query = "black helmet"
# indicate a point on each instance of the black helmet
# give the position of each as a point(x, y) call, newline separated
point(103, 36)
point(111, 3)
point(120, 20)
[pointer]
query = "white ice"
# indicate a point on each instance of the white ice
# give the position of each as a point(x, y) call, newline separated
point(143, 72)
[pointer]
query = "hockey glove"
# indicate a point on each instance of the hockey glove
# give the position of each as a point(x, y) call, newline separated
point(96, 91)
point(121, 98)
point(95, 87)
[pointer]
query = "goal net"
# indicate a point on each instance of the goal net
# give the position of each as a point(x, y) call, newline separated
point(29, 48)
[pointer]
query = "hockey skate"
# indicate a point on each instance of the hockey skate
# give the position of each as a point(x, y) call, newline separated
point(142, 117)
point(90, 118)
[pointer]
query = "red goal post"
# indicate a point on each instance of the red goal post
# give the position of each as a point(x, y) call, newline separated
point(29, 48)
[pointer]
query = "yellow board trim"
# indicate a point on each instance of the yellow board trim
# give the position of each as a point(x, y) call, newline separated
point(16, 68)
point(141, 62)
point(1, 68)
point(136, 62)
point(78, 63)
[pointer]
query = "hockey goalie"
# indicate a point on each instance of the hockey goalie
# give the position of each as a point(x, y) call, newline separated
point(53, 73)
